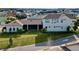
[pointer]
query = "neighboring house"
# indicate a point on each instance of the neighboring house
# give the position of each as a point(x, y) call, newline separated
point(23, 24)
point(58, 22)
point(26, 24)
point(12, 27)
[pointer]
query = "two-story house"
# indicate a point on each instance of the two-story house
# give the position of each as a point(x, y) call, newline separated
point(58, 22)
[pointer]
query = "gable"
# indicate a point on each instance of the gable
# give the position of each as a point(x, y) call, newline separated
point(63, 16)
point(53, 16)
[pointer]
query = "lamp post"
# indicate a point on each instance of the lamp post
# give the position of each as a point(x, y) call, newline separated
point(49, 42)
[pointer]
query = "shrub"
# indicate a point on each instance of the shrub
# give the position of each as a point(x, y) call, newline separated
point(75, 27)
point(68, 28)
point(44, 30)
point(20, 30)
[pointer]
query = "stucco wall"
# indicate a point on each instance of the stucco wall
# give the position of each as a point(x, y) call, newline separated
point(58, 26)
point(8, 27)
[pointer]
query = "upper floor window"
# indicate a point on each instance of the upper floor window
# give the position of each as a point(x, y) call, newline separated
point(47, 21)
point(61, 21)
point(55, 20)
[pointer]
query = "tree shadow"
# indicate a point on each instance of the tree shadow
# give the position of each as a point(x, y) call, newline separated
point(10, 44)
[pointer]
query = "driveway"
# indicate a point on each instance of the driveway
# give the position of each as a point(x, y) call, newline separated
point(63, 41)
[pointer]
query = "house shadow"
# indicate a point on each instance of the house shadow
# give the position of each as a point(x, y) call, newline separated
point(42, 42)
point(6, 35)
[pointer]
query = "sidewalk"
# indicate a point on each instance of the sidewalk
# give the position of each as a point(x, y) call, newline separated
point(54, 48)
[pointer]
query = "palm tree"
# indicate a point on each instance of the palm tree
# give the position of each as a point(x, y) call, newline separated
point(10, 19)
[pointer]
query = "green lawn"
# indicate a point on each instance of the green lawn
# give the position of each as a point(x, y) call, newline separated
point(28, 38)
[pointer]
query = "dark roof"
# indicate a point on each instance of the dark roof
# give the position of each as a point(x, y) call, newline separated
point(57, 15)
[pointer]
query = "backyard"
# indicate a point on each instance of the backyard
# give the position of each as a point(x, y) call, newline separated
point(28, 38)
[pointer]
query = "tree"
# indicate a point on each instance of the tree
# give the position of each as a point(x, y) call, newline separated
point(9, 19)
point(21, 16)
point(75, 25)
point(44, 30)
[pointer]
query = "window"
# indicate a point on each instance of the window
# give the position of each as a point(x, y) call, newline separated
point(49, 26)
point(61, 21)
point(13, 29)
point(55, 20)
point(46, 27)
point(17, 29)
point(58, 27)
point(54, 26)
point(47, 21)
point(10, 29)
point(61, 27)
point(4, 29)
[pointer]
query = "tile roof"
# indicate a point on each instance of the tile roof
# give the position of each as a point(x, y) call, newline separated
point(57, 15)
point(31, 21)
point(24, 21)
point(52, 15)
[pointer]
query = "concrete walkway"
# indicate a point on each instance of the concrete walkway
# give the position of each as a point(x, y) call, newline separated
point(27, 48)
